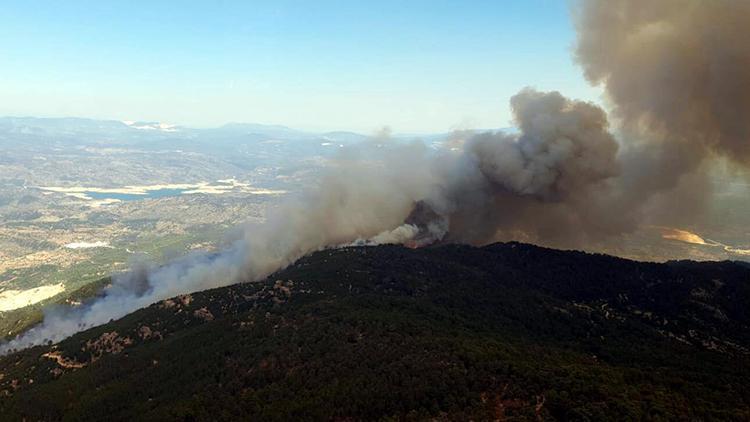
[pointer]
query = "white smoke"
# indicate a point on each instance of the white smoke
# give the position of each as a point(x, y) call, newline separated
point(399, 235)
point(365, 193)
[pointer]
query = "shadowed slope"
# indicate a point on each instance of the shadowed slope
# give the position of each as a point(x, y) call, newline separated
point(454, 332)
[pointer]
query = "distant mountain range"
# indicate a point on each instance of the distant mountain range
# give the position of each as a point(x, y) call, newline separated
point(504, 332)
point(82, 126)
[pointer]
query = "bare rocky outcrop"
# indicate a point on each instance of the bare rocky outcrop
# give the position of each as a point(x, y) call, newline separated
point(283, 287)
point(204, 314)
point(145, 332)
point(107, 343)
point(63, 361)
point(177, 302)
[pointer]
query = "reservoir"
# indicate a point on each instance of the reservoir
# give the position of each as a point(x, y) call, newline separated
point(156, 193)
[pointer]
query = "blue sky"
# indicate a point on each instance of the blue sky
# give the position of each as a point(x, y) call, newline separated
point(417, 66)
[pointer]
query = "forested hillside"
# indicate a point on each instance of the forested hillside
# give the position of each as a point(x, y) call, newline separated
point(504, 332)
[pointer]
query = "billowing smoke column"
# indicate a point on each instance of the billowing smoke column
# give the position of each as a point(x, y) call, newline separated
point(678, 69)
point(677, 75)
point(549, 182)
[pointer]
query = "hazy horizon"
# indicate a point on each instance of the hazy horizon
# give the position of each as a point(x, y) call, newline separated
point(416, 68)
point(373, 132)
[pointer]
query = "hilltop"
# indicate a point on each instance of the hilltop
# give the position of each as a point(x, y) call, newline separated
point(451, 332)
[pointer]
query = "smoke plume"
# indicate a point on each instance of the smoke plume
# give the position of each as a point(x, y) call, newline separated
point(676, 74)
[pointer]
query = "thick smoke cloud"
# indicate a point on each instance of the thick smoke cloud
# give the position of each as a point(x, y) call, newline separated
point(677, 76)
point(677, 73)
point(548, 182)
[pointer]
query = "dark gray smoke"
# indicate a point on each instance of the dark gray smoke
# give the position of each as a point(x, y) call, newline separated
point(549, 182)
point(677, 76)
point(677, 69)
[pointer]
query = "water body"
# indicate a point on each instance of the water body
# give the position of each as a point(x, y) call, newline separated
point(156, 193)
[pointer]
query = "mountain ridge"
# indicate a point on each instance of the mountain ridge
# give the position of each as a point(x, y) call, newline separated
point(451, 332)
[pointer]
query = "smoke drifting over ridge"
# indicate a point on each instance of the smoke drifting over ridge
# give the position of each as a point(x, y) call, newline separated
point(677, 74)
